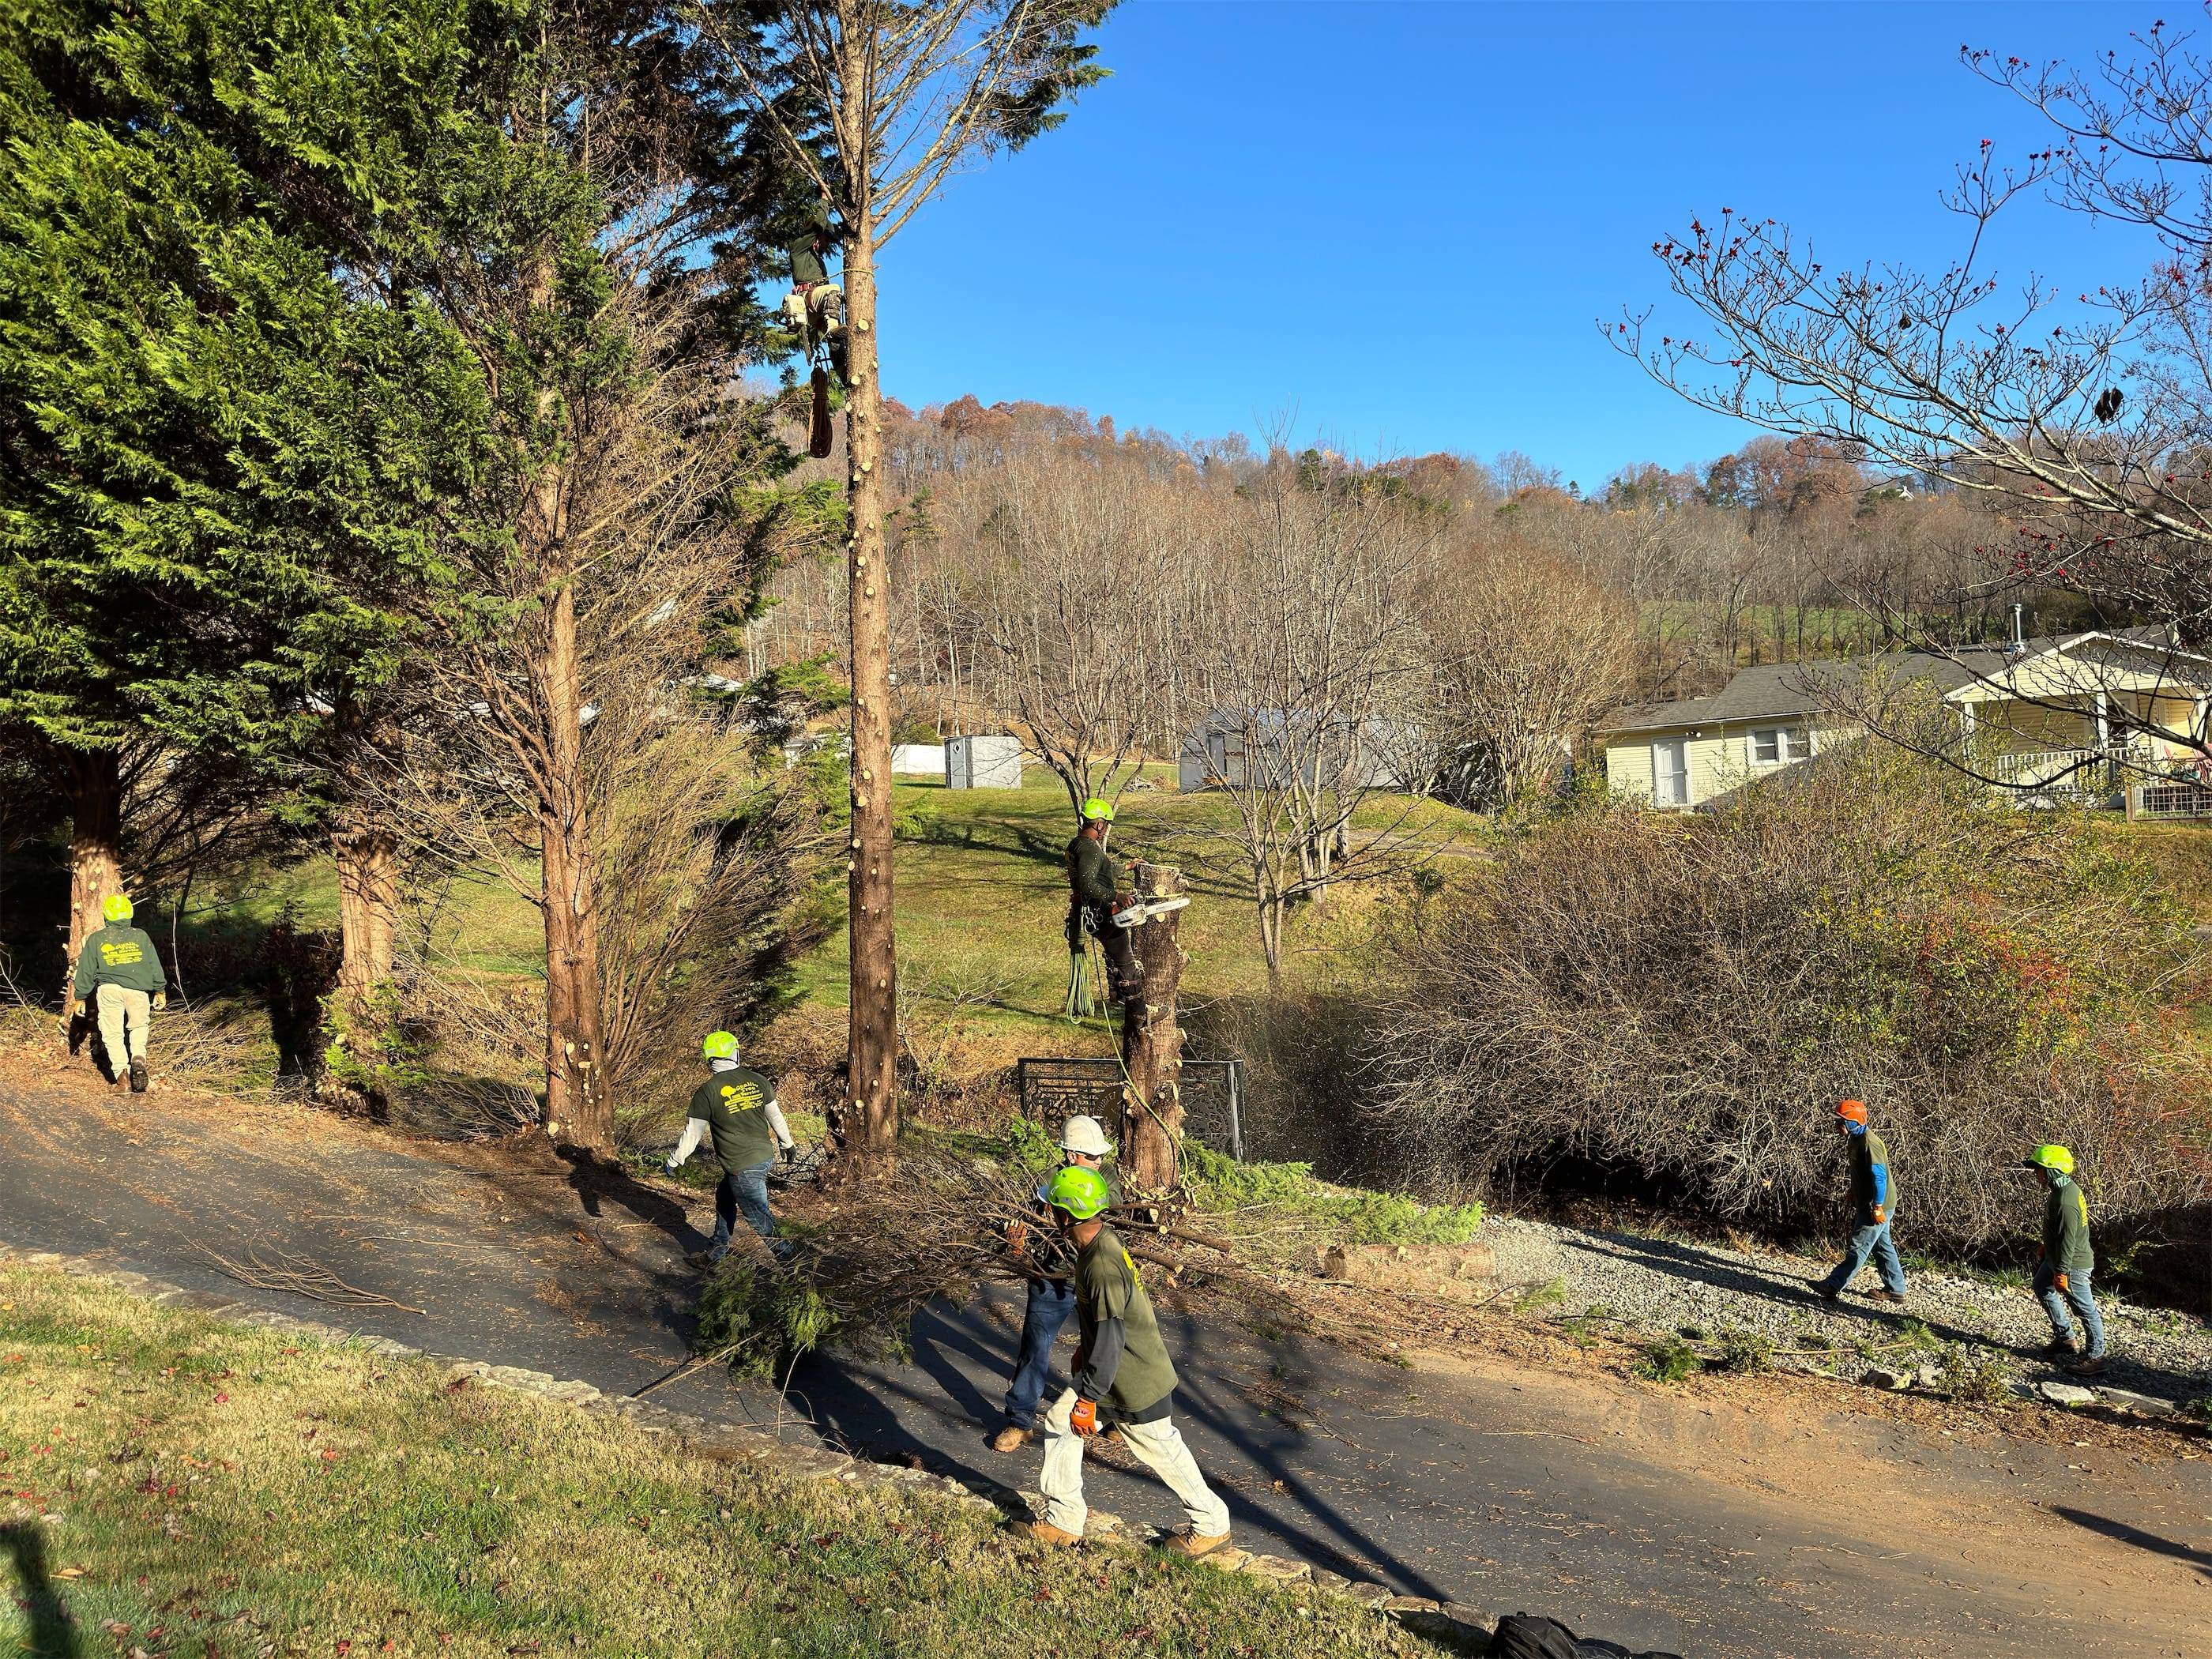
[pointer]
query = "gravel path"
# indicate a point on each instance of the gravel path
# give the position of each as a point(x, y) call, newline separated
point(1700, 1290)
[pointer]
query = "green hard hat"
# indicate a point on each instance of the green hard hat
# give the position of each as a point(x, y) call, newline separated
point(1080, 1192)
point(719, 1045)
point(116, 908)
point(2051, 1157)
point(1098, 809)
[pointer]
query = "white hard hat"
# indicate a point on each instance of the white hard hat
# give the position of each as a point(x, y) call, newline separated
point(1082, 1134)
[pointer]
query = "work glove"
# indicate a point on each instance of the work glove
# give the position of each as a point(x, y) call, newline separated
point(669, 1167)
point(160, 999)
point(2062, 1283)
point(791, 1154)
point(1084, 1419)
point(84, 1006)
point(1880, 1215)
point(1017, 1237)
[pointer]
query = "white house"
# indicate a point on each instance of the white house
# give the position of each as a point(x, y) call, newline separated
point(2064, 713)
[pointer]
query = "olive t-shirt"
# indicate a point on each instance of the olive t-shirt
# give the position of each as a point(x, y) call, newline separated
point(1107, 1287)
point(730, 1103)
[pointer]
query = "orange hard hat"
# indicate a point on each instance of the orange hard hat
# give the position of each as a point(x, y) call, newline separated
point(1853, 1109)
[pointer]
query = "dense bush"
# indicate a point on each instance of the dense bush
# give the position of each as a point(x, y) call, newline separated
point(1684, 1000)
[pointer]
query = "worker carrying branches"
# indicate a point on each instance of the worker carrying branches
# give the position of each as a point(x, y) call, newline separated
point(1048, 1263)
point(1122, 1374)
point(119, 975)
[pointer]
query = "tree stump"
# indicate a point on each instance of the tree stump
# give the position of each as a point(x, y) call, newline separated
point(1151, 1042)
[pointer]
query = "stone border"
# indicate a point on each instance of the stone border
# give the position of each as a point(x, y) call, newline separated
point(1452, 1623)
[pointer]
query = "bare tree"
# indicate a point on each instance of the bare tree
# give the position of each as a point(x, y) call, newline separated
point(875, 103)
point(1069, 614)
point(2086, 415)
point(1298, 630)
point(1523, 655)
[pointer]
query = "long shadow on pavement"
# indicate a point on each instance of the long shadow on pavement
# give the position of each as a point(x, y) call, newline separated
point(2120, 1532)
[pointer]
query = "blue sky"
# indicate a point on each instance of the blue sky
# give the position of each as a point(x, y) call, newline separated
point(1395, 225)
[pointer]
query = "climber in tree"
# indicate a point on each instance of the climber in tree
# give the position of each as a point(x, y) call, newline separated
point(1093, 900)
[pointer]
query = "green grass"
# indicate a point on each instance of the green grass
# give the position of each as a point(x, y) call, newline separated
point(177, 1486)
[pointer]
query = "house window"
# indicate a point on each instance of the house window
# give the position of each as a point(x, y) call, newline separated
point(1776, 745)
point(1670, 772)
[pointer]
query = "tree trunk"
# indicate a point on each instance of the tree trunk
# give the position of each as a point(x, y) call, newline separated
point(368, 908)
point(95, 786)
point(866, 1121)
point(579, 1112)
point(1152, 1043)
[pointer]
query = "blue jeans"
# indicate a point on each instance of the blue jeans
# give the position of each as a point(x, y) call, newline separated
point(1869, 1238)
point(2077, 1291)
point(1049, 1308)
point(743, 1189)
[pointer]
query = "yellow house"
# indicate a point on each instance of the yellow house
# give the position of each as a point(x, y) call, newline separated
point(2083, 715)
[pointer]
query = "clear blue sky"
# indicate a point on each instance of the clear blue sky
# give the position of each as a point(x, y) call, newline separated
point(1398, 223)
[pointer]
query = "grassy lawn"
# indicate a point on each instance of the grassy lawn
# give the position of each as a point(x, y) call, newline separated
point(171, 1485)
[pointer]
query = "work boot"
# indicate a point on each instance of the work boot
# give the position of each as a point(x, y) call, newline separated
point(137, 1077)
point(1009, 1438)
point(1886, 1296)
point(1185, 1542)
point(2061, 1347)
point(2092, 1366)
point(1043, 1532)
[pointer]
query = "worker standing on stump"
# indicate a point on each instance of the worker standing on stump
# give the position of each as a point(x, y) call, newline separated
point(2062, 1273)
point(1082, 1145)
point(119, 974)
point(1093, 901)
point(1874, 1202)
point(1122, 1374)
point(737, 1106)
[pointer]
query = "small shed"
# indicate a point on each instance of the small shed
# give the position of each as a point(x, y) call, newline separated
point(985, 761)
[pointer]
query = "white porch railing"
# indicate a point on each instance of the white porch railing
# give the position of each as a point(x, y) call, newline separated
point(2053, 771)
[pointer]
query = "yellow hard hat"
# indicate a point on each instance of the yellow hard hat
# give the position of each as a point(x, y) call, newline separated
point(116, 908)
point(2050, 1155)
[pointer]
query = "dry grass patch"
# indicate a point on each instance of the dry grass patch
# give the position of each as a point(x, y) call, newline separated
point(173, 1485)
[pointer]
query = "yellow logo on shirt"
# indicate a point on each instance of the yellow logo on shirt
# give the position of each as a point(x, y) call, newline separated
point(741, 1096)
point(1129, 1262)
point(122, 955)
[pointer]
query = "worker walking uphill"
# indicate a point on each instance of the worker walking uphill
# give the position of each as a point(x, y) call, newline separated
point(1123, 1375)
point(737, 1106)
point(1082, 1145)
point(119, 973)
point(1093, 901)
point(2062, 1273)
point(1873, 1203)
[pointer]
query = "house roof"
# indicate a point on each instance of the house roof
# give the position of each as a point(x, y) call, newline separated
point(1785, 690)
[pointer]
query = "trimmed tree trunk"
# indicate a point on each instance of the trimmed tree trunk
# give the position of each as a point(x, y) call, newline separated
point(579, 1112)
point(1152, 1043)
point(368, 908)
point(95, 786)
point(866, 1121)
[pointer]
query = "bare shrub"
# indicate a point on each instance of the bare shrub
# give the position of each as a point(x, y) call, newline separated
point(1684, 1000)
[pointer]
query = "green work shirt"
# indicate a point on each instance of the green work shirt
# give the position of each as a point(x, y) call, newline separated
point(730, 1104)
point(2066, 1228)
point(1107, 1287)
point(1090, 874)
point(1866, 1152)
point(120, 955)
point(806, 266)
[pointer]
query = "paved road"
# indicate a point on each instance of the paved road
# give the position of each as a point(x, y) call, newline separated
point(1655, 1519)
